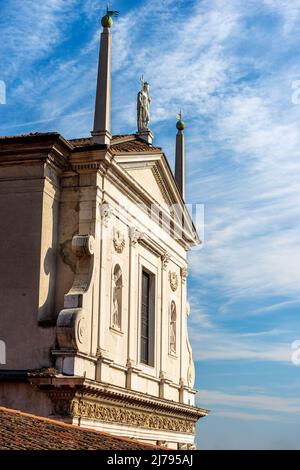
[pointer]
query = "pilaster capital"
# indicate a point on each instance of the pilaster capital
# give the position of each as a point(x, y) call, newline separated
point(184, 274)
point(165, 258)
point(135, 235)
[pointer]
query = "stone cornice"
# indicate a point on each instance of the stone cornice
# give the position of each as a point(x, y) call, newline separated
point(51, 148)
point(95, 159)
point(93, 390)
point(153, 246)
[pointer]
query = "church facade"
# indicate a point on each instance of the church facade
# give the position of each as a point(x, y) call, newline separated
point(94, 239)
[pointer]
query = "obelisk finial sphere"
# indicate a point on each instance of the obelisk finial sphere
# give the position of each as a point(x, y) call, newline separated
point(180, 124)
point(107, 20)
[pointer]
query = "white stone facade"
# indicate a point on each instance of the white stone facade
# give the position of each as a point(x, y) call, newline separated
point(102, 216)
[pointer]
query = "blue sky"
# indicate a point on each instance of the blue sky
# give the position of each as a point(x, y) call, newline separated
point(231, 66)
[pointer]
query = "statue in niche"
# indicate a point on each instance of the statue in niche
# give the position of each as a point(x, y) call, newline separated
point(117, 297)
point(172, 333)
point(143, 107)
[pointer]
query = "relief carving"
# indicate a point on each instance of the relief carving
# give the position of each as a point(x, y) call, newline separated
point(106, 213)
point(184, 446)
point(172, 328)
point(173, 278)
point(81, 330)
point(130, 417)
point(119, 241)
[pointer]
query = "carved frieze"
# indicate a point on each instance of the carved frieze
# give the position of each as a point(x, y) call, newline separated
point(91, 410)
point(184, 446)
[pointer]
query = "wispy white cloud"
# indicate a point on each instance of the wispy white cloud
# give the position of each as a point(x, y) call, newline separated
point(274, 307)
point(223, 344)
point(256, 403)
point(31, 29)
point(184, 61)
point(251, 247)
point(52, 85)
point(242, 416)
point(288, 11)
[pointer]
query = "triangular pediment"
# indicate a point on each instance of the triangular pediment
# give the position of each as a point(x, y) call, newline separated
point(145, 172)
point(145, 164)
point(152, 175)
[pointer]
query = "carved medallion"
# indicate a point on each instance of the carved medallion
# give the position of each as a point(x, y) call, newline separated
point(173, 278)
point(81, 330)
point(119, 241)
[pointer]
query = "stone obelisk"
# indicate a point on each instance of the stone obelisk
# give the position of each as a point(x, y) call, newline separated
point(101, 133)
point(180, 156)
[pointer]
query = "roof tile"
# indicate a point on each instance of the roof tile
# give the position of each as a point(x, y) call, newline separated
point(22, 431)
point(32, 134)
point(127, 143)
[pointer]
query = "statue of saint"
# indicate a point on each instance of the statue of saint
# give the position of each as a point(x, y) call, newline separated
point(172, 333)
point(117, 298)
point(143, 107)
